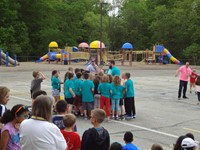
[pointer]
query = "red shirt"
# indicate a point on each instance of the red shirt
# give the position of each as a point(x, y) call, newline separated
point(193, 77)
point(72, 139)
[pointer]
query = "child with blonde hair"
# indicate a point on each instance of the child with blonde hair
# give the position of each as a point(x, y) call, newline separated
point(117, 91)
point(72, 138)
point(105, 89)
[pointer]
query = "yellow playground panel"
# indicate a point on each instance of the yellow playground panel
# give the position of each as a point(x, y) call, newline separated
point(79, 55)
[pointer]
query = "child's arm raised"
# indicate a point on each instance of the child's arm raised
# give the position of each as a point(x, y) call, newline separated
point(43, 76)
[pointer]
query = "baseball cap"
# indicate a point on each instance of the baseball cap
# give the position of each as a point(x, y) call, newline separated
point(188, 143)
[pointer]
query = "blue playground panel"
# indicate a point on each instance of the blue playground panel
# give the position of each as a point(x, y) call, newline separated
point(159, 48)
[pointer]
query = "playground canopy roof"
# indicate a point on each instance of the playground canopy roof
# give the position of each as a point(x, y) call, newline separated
point(96, 44)
point(83, 45)
point(53, 44)
point(127, 46)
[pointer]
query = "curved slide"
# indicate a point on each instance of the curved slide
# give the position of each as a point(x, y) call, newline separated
point(53, 56)
point(10, 60)
point(161, 49)
point(172, 58)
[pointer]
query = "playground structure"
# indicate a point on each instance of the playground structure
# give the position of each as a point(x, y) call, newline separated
point(84, 52)
point(5, 59)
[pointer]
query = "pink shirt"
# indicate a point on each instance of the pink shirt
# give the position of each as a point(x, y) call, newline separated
point(184, 73)
point(197, 88)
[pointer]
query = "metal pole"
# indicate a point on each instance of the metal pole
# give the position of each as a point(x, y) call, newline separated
point(101, 5)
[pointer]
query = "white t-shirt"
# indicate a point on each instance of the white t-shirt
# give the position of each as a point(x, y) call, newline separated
point(41, 135)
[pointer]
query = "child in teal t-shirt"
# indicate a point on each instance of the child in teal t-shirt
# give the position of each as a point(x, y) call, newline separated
point(87, 89)
point(105, 89)
point(129, 100)
point(78, 99)
point(69, 88)
point(55, 83)
point(117, 92)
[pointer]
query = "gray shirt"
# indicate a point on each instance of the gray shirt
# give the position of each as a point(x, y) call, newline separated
point(36, 85)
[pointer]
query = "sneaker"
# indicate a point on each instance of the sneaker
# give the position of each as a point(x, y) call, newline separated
point(82, 115)
point(185, 97)
point(133, 116)
point(117, 118)
point(179, 98)
point(122, 117)
point(112, 117)
point(85, 118)
point(128, 118)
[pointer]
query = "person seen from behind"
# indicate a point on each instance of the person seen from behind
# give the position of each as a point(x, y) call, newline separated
point(72, 138)
point(97, 137)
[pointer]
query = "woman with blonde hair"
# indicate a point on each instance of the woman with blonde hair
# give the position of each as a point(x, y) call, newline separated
point(38, 132)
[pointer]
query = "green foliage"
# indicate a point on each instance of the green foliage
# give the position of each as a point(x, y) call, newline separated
point(27, 26)
point(193, 51)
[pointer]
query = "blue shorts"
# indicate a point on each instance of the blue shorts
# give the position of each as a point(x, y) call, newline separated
point(55, 92)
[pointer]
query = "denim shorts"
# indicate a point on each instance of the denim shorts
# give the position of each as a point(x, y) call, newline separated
point(55, 92)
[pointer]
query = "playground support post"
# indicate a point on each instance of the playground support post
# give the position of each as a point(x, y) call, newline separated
point(101, 16)
point(15, 60)
point(123, 57)
point(7, 59)
point(49, 55)
point(130, 57)
point(0, 57)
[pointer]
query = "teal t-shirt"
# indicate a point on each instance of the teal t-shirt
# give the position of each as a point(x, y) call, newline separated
point(130, 88)
point(78, 83)
point(55, 83)
point(67, 85)
point(115, 71)
point(104, 89)
point(86, 88)
point(117, 91)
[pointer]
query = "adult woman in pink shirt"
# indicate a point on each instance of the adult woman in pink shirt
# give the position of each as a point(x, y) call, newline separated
point(184, 72)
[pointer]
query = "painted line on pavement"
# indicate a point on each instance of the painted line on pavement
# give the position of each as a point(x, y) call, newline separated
point(147, 129)
point(24, 99)
point(193, 130)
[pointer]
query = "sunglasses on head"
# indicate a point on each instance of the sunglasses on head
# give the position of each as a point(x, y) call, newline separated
point(24, 107)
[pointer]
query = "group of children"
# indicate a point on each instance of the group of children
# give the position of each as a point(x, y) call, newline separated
point(86, 91)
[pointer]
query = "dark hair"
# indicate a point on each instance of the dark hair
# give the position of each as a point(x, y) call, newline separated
point(86, 76)
point(69, 120)
point(112, 62)
point(110, 78)
point(70, 75)
point(66, 76)
point(53, 73)
point(42, 107)
point(190, 135)
point(177, 146)
point(37, 93)
point(78, 75)
point(116, 146)
point(61, 106)
point(128, 137)
point(156, 147)
point(10, 115)
point(128, 75)
point(96, 80)
point(198, 81)
point(77, 70)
